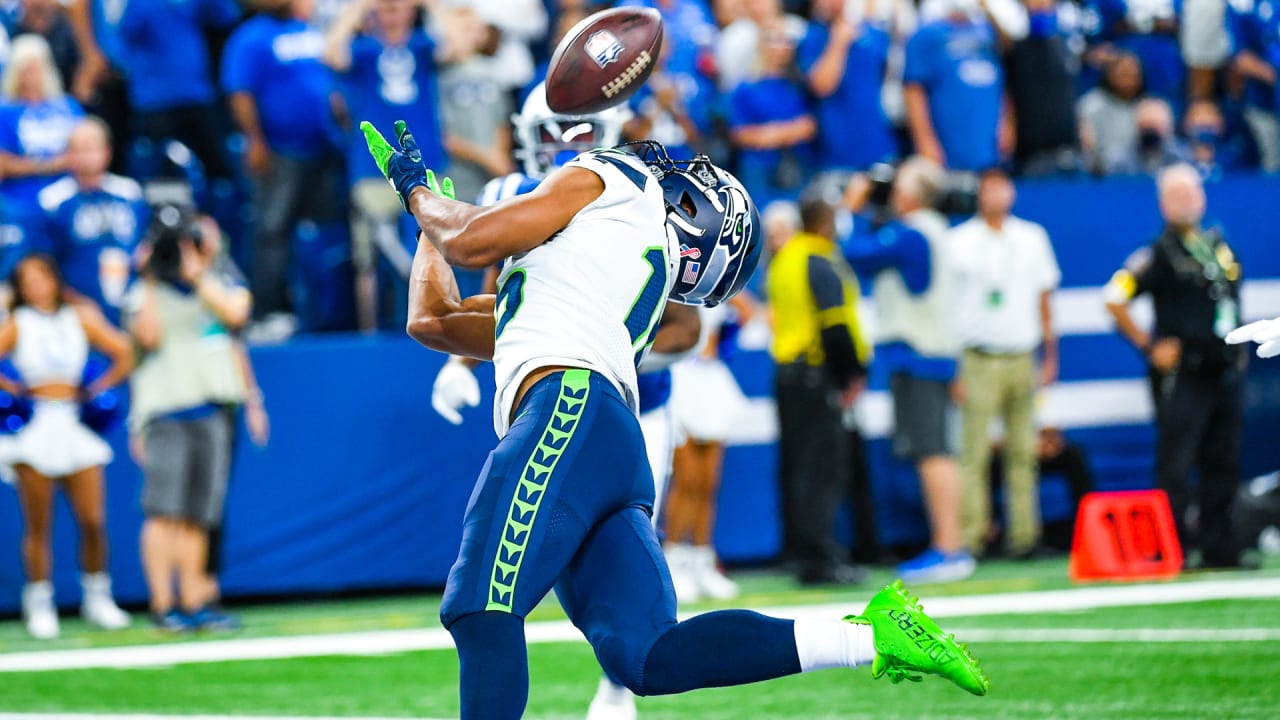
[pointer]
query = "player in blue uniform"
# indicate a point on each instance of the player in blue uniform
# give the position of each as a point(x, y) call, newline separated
point(565, 499)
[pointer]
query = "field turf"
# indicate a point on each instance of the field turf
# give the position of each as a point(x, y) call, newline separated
point(1211, 659)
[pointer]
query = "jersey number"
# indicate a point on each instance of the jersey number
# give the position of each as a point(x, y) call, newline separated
point(642, 321)
point(508, 301)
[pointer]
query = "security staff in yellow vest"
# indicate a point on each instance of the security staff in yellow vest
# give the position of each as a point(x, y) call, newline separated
point(906, 261)
point(821, 365)
point(1197, 380)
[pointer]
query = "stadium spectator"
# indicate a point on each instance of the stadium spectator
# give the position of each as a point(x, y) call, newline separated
point(844, 65)
point(99, 82)
point(739, 43)
point(953, 90)
point(181, 313)
point(1206, 44)
point(515, 25)
point(1211, 151)
point(661, 111)
point(170, 75)
point(771, 123)
point(1254, 28)
point(687, 87)
point(1158, 144)
point(389, 72)
point(707, 403)
point(1197, 380)
point(908, 265)
point(35, 123)
point(48, 19)
point(476, 106)
point(1005, 274)
point(821, 367)
point(48, 340)
point(93, 220)
point(1108, 116)
point(1042, 71)
point(281, 99)
point(1148, 29)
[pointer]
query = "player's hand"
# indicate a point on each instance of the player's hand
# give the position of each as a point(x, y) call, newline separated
point(455, 387)
point(1264, 332)
point(1165, 354)
point(403, 168)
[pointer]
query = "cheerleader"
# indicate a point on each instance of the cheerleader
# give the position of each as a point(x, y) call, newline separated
point(48, 341)
point(708, 404)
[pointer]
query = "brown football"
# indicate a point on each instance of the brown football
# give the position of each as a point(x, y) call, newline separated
point(603, 60)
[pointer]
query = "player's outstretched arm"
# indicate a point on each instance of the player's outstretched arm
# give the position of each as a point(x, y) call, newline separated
point(477, 237)
point(439, 317)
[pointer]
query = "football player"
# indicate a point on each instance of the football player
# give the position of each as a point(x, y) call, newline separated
point(564, 501)
point(549, 140)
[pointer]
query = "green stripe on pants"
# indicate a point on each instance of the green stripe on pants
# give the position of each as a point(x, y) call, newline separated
point(532, 486)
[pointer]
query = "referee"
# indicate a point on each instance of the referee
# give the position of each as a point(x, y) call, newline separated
point(1197, 380)
point(820, 357)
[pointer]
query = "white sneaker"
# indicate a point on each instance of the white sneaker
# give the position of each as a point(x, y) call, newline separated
point(98, 608)
point(612, 702)
point(38, 610)
point(683, 575)
point(711, 581)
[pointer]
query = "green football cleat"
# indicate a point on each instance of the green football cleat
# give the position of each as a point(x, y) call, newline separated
point(909, 643)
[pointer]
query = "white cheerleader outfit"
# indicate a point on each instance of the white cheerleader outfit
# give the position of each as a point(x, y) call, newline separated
point(707, 401)
point(52, 348)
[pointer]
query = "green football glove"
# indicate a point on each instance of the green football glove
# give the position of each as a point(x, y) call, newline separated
point(403, 168)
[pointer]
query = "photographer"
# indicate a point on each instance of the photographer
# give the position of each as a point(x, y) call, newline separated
point(897, 244)
point(181, 314)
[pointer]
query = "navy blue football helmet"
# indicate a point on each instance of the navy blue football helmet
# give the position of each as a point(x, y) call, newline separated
point(713, 220)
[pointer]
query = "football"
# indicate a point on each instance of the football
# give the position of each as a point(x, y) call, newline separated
point(603, 60)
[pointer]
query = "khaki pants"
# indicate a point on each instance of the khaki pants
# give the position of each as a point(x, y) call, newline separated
point(1001, 386)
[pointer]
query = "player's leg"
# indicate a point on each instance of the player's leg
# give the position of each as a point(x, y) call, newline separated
point(614, 701)
point(526, 518)
point(618, 592)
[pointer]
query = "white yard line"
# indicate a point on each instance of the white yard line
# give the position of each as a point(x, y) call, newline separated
point(397, 641)
point(1108, 635)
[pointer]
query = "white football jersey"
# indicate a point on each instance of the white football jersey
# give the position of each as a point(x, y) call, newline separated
point(591, 296)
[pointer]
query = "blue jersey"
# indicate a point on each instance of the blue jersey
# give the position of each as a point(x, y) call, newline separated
point(106, 17)
point(165, 52)
point(959, 68)
point(757, 102)
point(1254, 26)
point(37, 131)
point(278, 63)
point(16, 238)
point(387, 83)
point(853, 130)
point(92, 234)
point(653, 389)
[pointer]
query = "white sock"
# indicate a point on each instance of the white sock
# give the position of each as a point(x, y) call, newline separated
point(825, 644)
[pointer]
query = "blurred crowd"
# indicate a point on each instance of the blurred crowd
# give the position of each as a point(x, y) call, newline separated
point(253, 106)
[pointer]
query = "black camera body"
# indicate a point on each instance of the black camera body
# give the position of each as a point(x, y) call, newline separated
point(171, 224)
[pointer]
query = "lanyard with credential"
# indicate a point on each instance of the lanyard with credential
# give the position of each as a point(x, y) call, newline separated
point(1226, 315)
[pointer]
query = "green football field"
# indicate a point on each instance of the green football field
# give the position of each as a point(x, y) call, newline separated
point(1205, 646)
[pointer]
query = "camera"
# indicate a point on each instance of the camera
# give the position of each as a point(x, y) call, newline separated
point(171, 224)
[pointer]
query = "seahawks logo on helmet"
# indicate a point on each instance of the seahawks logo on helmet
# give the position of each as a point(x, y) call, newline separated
point(712, 220)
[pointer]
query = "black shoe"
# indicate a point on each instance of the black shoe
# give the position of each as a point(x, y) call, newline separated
point(832, 575)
